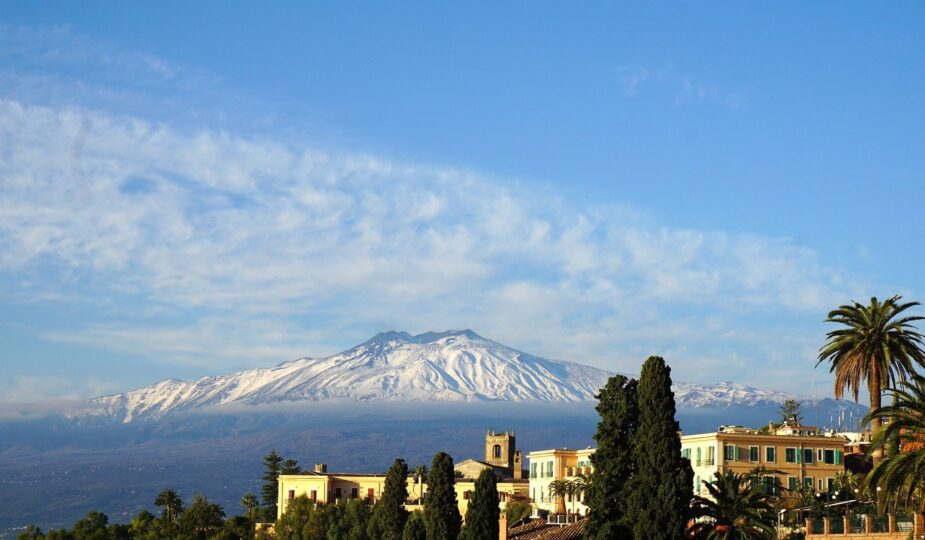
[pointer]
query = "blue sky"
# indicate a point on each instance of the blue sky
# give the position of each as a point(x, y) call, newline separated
point(193, 189)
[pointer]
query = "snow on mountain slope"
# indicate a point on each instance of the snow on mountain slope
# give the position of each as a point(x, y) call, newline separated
point(396, 366)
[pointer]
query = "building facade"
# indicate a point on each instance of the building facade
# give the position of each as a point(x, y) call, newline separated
point(323, 487)
point(793, 457)
point(546, 466)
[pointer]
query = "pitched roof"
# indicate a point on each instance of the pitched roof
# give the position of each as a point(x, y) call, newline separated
point(538, 529)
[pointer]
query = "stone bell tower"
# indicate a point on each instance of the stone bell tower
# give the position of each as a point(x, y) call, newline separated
point(500, 449)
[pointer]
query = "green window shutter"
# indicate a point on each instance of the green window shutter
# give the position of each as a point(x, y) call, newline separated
point(737, 453)
point(837, 457)
point(798, 455)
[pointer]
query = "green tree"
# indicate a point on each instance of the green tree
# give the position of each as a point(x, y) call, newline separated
point(558, 489)
point(516, 511)
point(790, 411)
point(901, 475)
point(250, 503)
point(236, 528)
point(31, 532)
point(390, 513)
point(733, 511)
point(613, 463)
point(272, 465)
point(170, 504)
point(298, 514)
point(441, 513)
point(420, 476)
point(202, 518)
point(580, 485)
point(483, 513)
point(290, 466)
point(877, 344)
point(93, 527)
point(143, 524)
point(659, 502)
point(414, 527)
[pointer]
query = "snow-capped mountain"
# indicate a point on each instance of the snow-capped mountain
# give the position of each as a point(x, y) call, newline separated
point(396, 366)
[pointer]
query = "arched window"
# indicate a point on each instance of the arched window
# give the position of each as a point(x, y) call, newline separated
point(496, 451)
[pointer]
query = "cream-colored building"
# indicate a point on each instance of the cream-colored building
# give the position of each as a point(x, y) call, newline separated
point(802, 455)
point(545, 466)
point(501, 456)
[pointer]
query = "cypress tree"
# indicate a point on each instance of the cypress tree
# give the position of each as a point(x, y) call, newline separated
point(390, 514)
point(483, 513)
point(659, 504)
point(414, 527)
point(270, 490)
point(613, 461)
point(441, 513)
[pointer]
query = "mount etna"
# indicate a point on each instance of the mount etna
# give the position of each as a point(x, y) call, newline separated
point(395, 395)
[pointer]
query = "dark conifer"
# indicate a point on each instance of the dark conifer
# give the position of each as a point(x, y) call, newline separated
point(290, 466)
point(441, 513)
point(483, 513)
point(272, 465)
point(659, 504)
point(414, 527)
point(613, 460)
point(390, 514)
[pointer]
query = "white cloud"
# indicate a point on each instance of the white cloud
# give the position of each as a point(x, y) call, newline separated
point(253, 249)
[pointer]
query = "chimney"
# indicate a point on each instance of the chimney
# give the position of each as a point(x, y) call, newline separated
point(502, 526)
point(321, 468)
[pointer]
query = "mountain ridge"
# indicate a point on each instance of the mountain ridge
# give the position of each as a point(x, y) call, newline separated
point(396, 366)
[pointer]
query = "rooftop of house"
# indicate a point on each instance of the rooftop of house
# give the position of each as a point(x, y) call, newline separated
point(539, 529)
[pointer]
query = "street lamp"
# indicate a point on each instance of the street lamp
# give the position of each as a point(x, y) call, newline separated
point(780, 516)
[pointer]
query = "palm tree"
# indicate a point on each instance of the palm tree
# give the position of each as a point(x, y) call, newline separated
point(877, 344)
point(902, 474)
point(581, 484)
point(559, 489)
point(733, 511)
point(420, 476)
point(170, 503)
point(250, 502)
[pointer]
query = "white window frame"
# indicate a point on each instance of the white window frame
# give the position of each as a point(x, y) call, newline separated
point(795, 458)
point(750, 454)
point(766, 448)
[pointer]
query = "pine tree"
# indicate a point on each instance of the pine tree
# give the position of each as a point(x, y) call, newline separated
point(790, 411)
point(483, 513)
point(662, 489)
point(414, 527)
point(270, 490)
point(390, 514)
point(613, 461)
point(441, 513)
point(290, 466)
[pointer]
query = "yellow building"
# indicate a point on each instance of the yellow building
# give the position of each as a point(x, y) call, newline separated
point(801, 454)
point(501, 456)
point(323, 487)
point(545, 466)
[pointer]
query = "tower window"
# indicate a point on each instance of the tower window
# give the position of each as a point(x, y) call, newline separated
point(496, 451)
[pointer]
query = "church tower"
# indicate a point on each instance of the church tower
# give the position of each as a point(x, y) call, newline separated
point(500, 449)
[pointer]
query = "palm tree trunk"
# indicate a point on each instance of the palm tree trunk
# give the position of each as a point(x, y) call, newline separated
point(874, 386)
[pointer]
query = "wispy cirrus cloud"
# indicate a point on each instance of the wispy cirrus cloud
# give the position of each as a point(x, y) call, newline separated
point(222, 249)
point(682, 88)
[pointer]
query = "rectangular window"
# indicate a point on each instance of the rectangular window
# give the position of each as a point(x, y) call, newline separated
point(549, 465)
point(770, 454)
point(754, 454)
point(808, 482)
point(699, 458)
point(829, 458)
point(711, 455)
point(819, 455)
point(830, 484)
point(314, 496)
point(729, 452)
point(821, 484)
point(686, 453)
point(291, 494)
point(354, 493)
point(793, 483)
point(337, 493)
point(790, 455)
point(808, 456)
point(466, 495)
point(533, 470)
point(371, 493)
